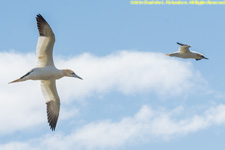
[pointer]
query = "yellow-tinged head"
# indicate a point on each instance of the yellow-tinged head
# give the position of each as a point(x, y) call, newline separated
point(70, 73)
point(200, 56)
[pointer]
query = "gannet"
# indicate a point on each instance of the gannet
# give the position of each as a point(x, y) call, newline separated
point(46, 71)
point(184, 52)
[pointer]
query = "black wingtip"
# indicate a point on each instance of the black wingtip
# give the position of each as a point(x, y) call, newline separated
point(183, 44)
point(52, 117)
point(40, 24)
point(38, 15)
point(40, 18)
point(52, 128)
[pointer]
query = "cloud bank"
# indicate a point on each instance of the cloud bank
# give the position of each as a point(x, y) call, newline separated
point(124, 72)
point(129, 73)
point(147, 124)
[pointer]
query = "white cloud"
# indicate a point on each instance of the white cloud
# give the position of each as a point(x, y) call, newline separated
point(22, 105)
point(145, 125)
point(129, 72)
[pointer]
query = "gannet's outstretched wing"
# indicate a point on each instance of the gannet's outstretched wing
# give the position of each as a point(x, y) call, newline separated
point(52, 100)
point(184, 48)
point(45, 43)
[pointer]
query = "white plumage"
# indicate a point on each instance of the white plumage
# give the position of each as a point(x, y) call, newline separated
point(46, 71)
point(184, 52)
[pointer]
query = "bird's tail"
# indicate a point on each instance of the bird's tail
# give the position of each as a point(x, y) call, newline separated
point(23, 78)
point(17, 80)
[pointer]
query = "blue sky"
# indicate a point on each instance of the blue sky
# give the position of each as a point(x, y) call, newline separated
point(132, 96)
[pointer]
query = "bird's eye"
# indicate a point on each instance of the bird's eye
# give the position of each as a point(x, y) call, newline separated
point(73, 73)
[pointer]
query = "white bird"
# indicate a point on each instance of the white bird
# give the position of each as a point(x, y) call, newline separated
point(46, 71)
point(184, 52)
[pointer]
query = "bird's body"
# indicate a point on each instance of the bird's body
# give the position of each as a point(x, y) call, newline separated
point(46, 71)
point(184, 55)
point(184, 52)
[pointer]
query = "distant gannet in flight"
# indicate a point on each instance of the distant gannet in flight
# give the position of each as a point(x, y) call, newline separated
point(184, 52)
point(46, 71)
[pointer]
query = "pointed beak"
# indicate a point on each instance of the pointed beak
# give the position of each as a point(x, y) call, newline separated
point(76, 76)
point(204, 57)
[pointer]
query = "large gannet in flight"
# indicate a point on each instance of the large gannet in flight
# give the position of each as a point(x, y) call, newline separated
point(184, 52)
point(46, 71)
